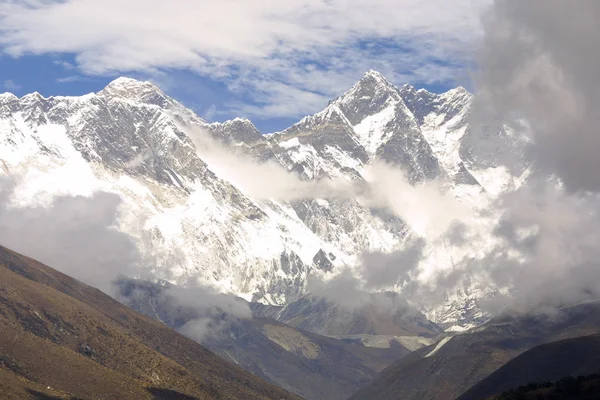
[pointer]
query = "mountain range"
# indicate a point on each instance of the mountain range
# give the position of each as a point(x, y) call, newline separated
point(257, 215)
point(314, 257)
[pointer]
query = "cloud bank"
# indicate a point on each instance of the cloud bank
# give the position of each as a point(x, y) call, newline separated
point(76, 235)
point(267, 180)
point(196, 311)
point(79, 237)
point(289, 57)
point(538, 72)
point(429, 208)
point(540, 62)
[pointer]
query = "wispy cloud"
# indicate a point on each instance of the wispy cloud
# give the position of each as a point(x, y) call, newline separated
point(65, 64)
point(71, 78)
point(210, 112)
point(287, 56)
point(11, 85)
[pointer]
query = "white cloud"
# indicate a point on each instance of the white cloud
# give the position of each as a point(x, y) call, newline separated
point(74, 234)
point(428, 208)
point(71, 78)
point(64, 64)
point(11, 86)
point(264, 181)
point(316, 47)
point(210, 112)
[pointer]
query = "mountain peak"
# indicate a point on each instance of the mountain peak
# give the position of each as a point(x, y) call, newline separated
point(126, 82)
point(239, 120)
point(7, 97)
point(372, 76)
point(32, 98)
point(371, 85)
point(135, 90)
point(458, 91)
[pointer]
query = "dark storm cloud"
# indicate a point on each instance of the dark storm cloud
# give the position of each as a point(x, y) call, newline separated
point(539, 63)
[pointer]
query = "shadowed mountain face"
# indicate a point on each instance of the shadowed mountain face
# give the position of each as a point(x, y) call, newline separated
point(312, 365)
point(454, 365)
point(547, 362)
point(381, 314)
point(61, 339)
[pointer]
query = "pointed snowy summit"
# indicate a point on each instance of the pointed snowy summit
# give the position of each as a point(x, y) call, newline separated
point(375, 76)
point(7, 97)
point(138, 91)
point(375, 81)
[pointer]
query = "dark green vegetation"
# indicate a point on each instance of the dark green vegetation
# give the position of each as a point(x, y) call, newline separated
point(61, 339)
point(568, 388)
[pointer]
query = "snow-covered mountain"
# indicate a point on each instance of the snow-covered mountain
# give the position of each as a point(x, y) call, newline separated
point(199, 221)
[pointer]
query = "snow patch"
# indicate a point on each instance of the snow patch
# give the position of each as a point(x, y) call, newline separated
point(440, 344)
point(288, 144)
point(371, 131)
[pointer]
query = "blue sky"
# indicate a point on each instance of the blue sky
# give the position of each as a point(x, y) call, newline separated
point(266, 61)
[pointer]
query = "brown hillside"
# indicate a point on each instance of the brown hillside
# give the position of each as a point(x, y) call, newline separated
point(456, 365)
point(545, 363)
point(60, 338)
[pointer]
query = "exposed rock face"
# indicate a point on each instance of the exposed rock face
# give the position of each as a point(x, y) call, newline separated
point(197, 223)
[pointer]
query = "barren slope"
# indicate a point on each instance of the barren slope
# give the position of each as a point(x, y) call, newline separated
point(63, 338)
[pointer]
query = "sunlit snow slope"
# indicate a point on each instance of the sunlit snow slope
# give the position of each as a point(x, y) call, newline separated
point(195, 220)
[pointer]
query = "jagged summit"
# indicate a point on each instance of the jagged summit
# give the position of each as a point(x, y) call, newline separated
point(372, 84)
point(31, 97)
point(237, 120)
point(236, 131)
point(375, 75)
point(134, 90)
point(408, 88)
point(7, 97)
point(373, 80)
point(368, 96)
point(126, 83)
point(460, 90)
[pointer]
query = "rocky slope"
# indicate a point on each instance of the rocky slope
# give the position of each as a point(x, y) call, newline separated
point(62, 339)
point(313, 366)
point(545, 363)
point(456, 363)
